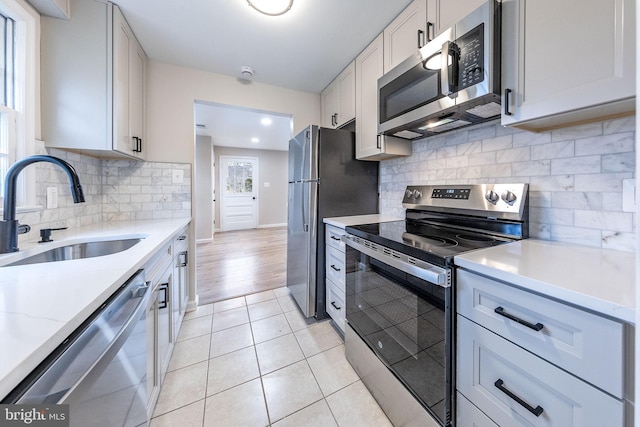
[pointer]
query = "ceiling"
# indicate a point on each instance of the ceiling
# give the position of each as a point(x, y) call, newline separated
point(230, 126)
point(303, 50)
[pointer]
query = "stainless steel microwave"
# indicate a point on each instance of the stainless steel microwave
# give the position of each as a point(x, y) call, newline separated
point(452, 82)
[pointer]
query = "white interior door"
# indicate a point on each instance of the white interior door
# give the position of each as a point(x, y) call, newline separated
point(238, 185)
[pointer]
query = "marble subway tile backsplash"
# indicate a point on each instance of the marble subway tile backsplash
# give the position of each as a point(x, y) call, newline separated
point(575, 175)
point(114, 190)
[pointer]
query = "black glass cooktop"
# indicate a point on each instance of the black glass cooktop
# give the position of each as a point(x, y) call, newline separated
point(428, 242)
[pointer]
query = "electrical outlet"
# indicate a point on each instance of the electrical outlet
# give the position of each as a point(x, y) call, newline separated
point(629, 202)
point(177, 176)
point(52, 197)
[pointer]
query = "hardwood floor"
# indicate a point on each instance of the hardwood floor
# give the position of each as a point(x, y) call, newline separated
point(243, 262)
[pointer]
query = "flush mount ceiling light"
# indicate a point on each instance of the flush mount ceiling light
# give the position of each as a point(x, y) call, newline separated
point(255, 140)
point(271, 7)
point(266, 121)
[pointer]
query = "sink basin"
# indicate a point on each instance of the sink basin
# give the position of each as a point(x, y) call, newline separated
point(79, 251)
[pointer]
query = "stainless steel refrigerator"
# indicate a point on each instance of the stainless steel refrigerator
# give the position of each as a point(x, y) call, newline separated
point(325, 180)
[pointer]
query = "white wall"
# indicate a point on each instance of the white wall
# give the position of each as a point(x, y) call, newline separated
point(172, 90)
point(203, 188)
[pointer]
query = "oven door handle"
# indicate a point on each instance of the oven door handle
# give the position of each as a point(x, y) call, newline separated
point(418, 268)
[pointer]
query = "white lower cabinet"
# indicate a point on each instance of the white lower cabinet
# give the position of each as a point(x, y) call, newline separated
point(335, 274)
point(335, 304)
point(167, 275)
point(525, 360)
point(467, 414)
point(514, 387)
point(180, 291)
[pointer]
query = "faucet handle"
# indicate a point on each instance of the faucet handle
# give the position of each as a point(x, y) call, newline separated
point(45, 234)
point(24, 228)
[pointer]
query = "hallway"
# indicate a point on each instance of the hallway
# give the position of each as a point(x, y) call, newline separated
point(238, 263)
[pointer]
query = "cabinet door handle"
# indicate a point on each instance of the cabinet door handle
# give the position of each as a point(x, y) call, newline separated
point(507, 92)
point(379, 142)
point(431, 27)
point(138, 147)
point(164, 288)
point(184, 237)
point(336, 238)
point(537, 411)
point(335, 268)
point(333, 303)
point(536, 327)
point(420, 38)
point(185, 254)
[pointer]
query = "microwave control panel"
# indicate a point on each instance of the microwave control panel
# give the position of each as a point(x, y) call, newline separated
point(471, 47)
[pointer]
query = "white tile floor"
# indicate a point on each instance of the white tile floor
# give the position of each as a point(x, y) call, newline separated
point(256, 361)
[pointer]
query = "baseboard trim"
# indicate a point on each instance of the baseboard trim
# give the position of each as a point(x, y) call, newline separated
point(273, 225)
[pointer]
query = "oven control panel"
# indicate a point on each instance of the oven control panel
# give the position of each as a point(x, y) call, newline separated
point(505, 201)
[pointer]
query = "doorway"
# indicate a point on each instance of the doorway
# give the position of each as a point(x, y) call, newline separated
point(239, 193)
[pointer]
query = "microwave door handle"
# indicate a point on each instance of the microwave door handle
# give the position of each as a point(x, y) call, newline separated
point(449, 75)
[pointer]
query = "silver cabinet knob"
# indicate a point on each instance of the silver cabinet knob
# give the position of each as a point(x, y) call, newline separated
point(492, 196)
point(509, 197)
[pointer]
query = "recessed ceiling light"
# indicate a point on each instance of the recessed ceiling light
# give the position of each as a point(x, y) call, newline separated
point(266, 121)
point(255, 140)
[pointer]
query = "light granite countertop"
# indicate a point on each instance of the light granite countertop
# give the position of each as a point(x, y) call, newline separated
point(599, 280)
point(42, 304)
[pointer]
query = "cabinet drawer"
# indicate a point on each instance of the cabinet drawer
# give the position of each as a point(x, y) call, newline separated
point(494, 374)
point(570, 338)
point(333, 237)
point(335, 304)
point(335, 267)
point(468, 415)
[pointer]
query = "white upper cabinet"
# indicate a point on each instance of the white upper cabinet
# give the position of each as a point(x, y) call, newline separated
point(406, 34)
point(574, 65)
point(419, 23)
point(338, 99)
point(442, 14)
point(93, 93)
point(129, 69)
point(370, 145)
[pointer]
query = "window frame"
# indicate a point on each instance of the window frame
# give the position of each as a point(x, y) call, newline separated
point(26, 117)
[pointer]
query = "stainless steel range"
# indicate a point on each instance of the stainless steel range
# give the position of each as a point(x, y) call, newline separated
point(401, 298)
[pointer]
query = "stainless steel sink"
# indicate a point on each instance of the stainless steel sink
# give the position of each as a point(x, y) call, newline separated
point(79, 251)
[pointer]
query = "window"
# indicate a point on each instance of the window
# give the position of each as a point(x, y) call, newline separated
point(239, 177)
point(19, 52)
point(7, 96)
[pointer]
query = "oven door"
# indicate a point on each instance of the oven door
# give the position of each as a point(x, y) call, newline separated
point(402, 309)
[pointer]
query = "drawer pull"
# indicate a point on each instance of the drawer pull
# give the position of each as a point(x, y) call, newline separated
point(335, 268)
point(537, 327)
point(333, 303)
point(336, 238)
point(537, 411)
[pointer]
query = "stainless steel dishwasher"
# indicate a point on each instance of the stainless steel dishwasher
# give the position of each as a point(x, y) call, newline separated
point(100, 370)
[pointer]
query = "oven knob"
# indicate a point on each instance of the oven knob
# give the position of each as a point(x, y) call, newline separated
point(492, 196)
point(417, 194)
point(509, 197)
point(408, 194)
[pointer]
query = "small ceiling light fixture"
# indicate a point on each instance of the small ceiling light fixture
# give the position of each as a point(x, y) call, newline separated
point(271, 7)
point(255, 140)
point(266, 121)
point(246, 72)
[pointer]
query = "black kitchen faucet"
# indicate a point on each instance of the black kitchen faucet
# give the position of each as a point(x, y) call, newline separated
point(9, 226)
